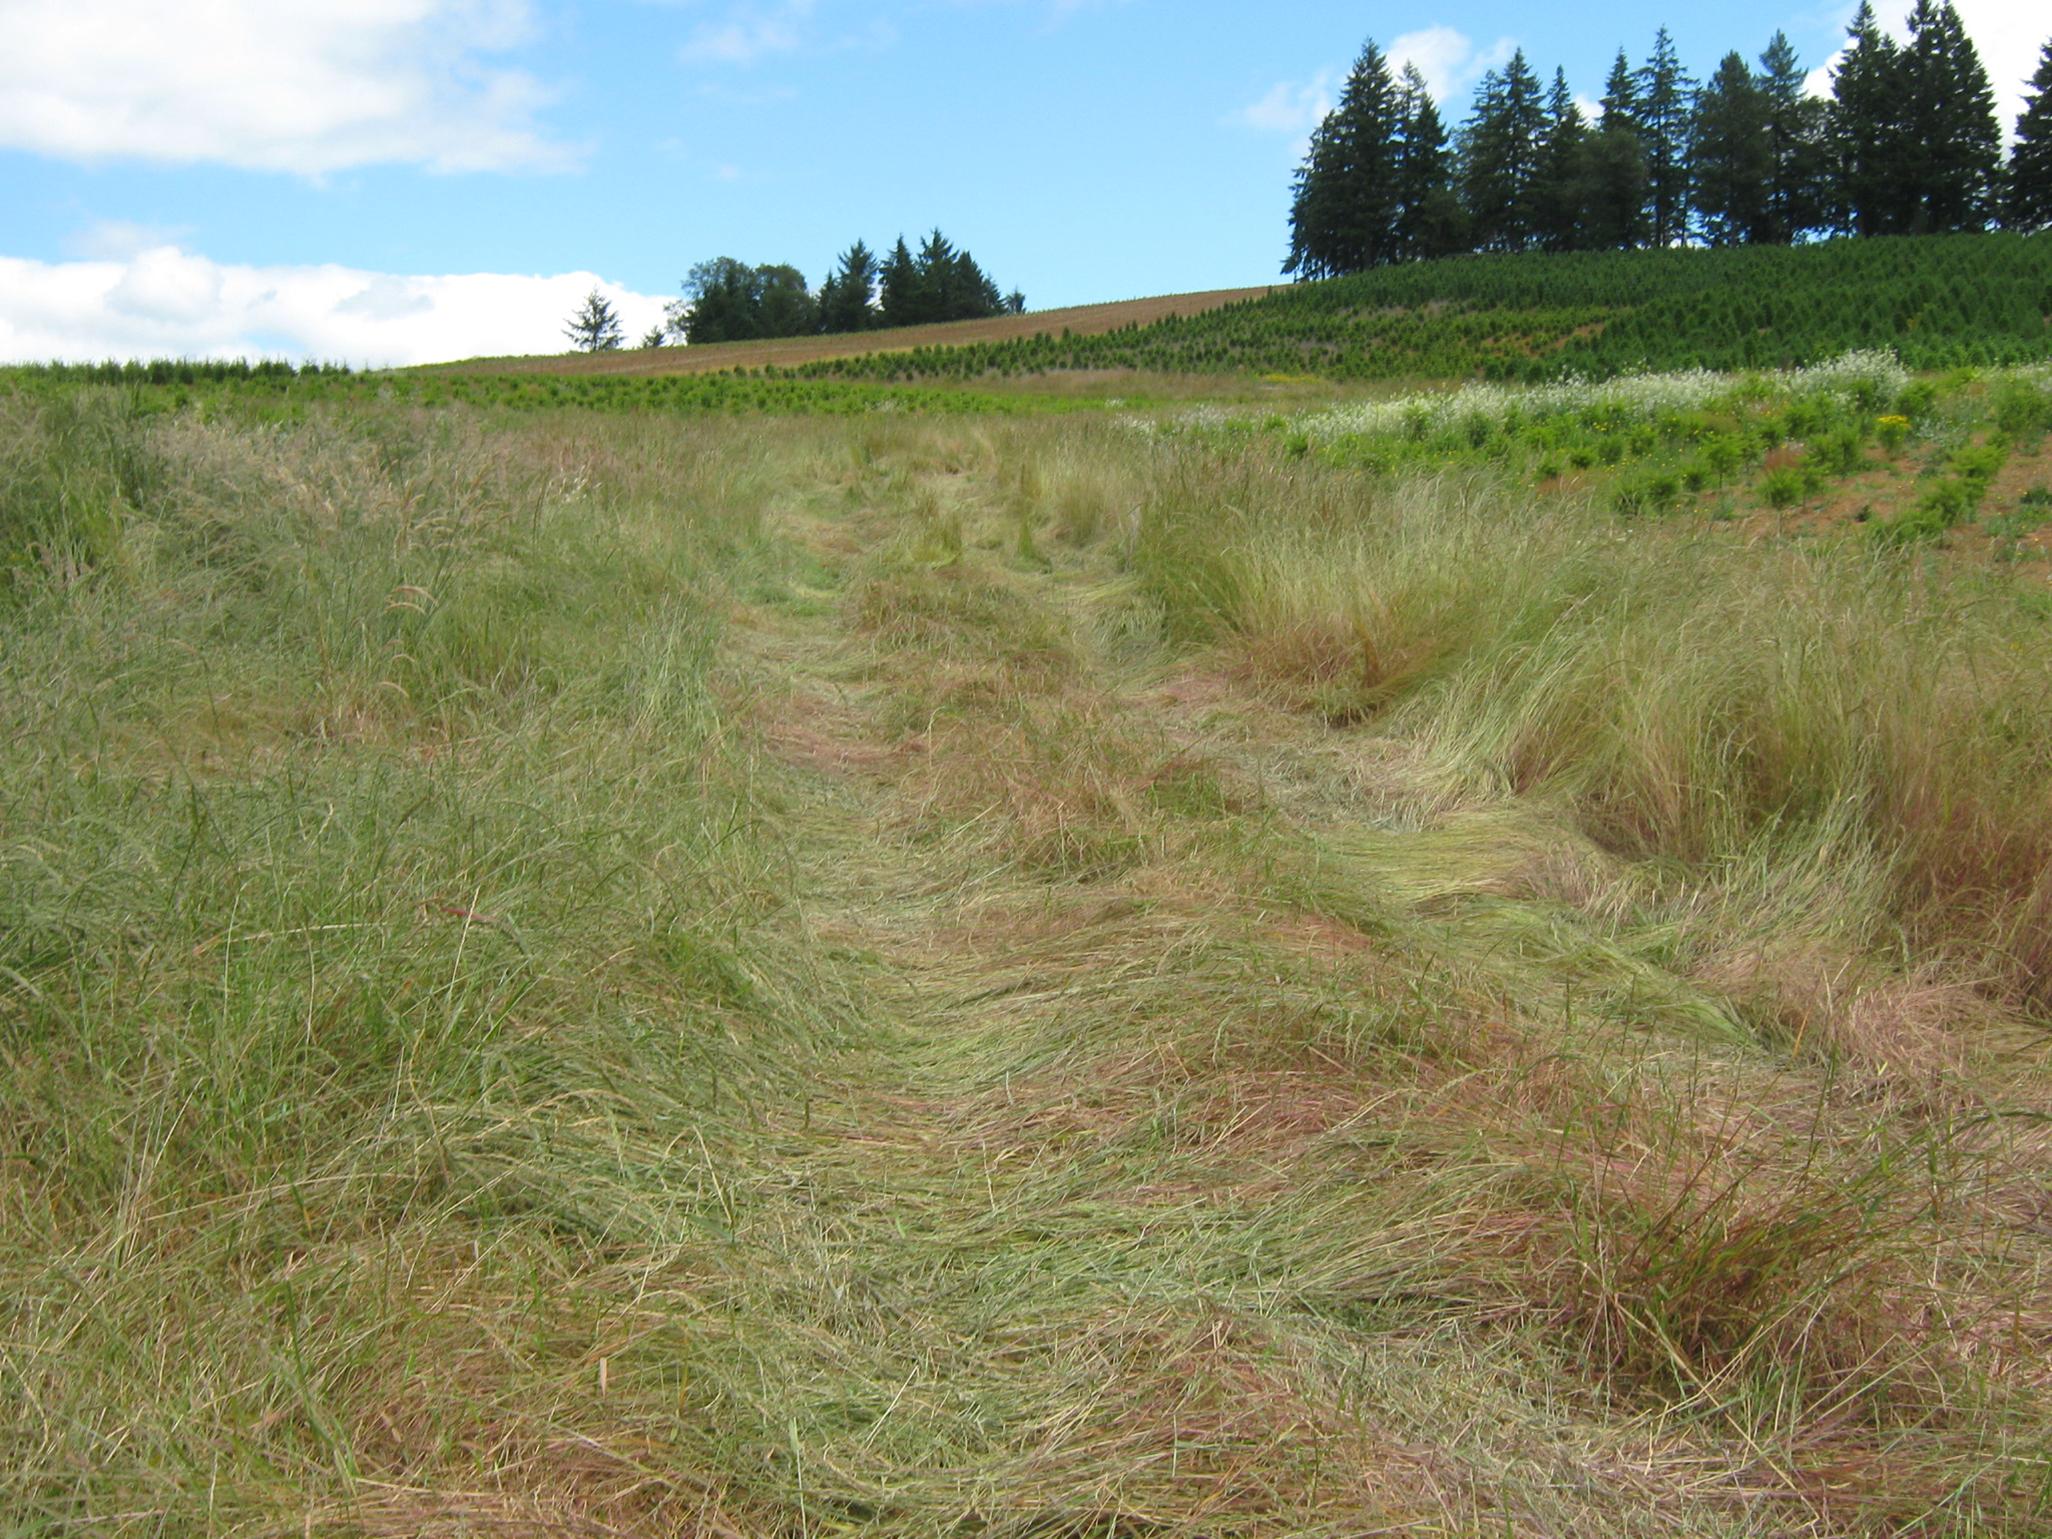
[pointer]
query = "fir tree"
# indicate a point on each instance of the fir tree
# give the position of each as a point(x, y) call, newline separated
point(1731, 156)
point(936, 282)
point(1561, 190)
point(847, 300)
point(898, 288)
point(1621, 95)
point(1666, 94)
point(1346, 213)
point(1429, 222)
point(973, 295)
point(1614, 167)
point(1950, 171)
point(1795, 139)
point(594, 326)
point(1865, 129)
point(1614, 188)
point(1501, 146)
point(2027, 199)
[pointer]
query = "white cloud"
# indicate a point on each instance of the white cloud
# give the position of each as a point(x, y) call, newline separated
point(311, 87)
point(167, 302)
point(1450, 62)
point(1291, 107)
point(116, 238)
point(750, 33)
point(2006, 34)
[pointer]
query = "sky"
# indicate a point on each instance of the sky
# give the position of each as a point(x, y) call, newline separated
point(403, 181)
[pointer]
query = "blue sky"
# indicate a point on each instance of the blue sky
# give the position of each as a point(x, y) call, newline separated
point(400, 180)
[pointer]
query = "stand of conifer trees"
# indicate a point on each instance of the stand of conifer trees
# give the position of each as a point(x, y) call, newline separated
point(729, 301)
point(1908, 144)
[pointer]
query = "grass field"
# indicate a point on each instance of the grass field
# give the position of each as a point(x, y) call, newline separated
point(791, 352)
point(1005, 973)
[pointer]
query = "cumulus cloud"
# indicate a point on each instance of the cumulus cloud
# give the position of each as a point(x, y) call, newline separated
point(1450, 62)
point(1291, 107)
point(168, 302)
point(308, 88)
point(749, 33)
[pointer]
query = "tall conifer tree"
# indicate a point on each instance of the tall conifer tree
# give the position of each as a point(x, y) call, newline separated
point(1666, 96)
point(1865, 128)
point(1795, 135)
point(1428, 209)
point(1614, 167)
point(1501, 148)
point(1949, 172)
point(2027, 198)
point(898, 288)
point(1621, 94)
point(1562, 186)
point(1731, 156)
point(1345, 216)
point(847, 298)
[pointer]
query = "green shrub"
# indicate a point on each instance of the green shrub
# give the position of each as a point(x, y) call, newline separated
point(1784, 486)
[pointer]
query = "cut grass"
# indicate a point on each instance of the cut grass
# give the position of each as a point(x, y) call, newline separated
point(915, 978)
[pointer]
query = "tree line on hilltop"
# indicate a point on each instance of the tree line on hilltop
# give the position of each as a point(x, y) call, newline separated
point(1908, 143)
point(726, 300)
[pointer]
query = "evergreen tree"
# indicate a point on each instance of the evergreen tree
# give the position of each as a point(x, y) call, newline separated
point(1731, 155)
point(936, 286)
point(898, 288)
point(1795, 139)
point(1865, 129)
point(1614, 167)
point(974, 294)
point(1501, 147)
point(847, 300)
point(655, 336)
point(2027, 200)
point(1666, 96)
point(1345, 215)
point(1559, 196)
point(1621, 95)
point(1429, 222)
point(1949, 172)
point(594, 326)
point(1614, 188)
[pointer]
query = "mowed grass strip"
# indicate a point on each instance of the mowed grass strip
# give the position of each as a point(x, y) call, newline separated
point(578, 975)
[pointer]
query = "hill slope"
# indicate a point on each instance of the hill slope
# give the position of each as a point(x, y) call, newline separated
point(789, 352)
point(1938, 301)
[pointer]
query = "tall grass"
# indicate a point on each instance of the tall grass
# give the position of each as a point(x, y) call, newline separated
point(612, 975)
point(1690, 699)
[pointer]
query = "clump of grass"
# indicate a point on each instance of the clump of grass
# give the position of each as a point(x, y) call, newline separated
point(1689, 700)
